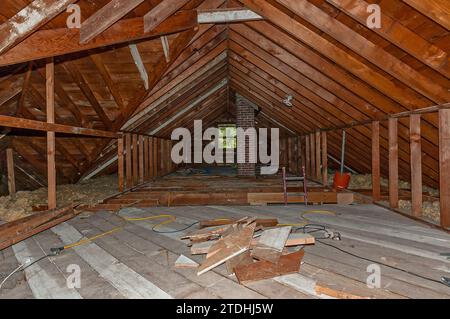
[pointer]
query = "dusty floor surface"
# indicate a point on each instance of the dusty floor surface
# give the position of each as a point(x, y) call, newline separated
point(89, 192)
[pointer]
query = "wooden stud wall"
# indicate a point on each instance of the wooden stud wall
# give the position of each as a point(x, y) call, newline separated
point(143, 158)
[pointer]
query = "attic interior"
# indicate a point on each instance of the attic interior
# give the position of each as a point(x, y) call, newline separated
point(91, 93)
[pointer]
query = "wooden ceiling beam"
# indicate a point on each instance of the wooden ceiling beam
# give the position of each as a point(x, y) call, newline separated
point(181, 96)
point(393, 31)
point(331, 112)
point(367, 49)
point(162, 12)
point(56, 42)
point(79, 80)
point(110, 84)
point(318, 120)
point(28, 20)
point(367, 100)
point(178, 45)
point(64, 100)
point(227, 15)
point(167, 109)
point(398, 93)
point(101, 20)
point(436, 10)
point(15, 122)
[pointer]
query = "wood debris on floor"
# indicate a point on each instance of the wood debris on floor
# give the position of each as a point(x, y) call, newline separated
point(252, 249)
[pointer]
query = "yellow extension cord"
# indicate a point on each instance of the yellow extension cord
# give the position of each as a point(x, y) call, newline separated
point(171, 219)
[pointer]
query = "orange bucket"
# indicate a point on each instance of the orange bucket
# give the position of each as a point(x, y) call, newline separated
point(341, 181)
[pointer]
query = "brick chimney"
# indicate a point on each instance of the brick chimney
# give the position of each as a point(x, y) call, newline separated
point(245, 118)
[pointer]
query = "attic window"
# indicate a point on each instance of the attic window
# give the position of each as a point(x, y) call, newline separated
point(227, 136)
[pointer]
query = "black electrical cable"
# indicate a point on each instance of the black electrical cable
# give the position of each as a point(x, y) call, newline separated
point(317, 228)
point(173, 231)
point(386, 265)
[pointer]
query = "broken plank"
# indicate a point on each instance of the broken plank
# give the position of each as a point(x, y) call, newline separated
point(185, 262)
point(239, 260)
point(259, 270)
point(271, 243)
point(228, 247)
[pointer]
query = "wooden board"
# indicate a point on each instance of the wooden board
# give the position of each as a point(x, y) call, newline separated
point(185, 262)
point(260, 270)
point(240, 260)
point(271, 243)
point(227, 247)
point(328, 197)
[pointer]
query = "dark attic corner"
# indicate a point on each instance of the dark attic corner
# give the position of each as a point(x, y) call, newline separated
point(224, 149)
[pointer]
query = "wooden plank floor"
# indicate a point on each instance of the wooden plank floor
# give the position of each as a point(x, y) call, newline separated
point(136, 262)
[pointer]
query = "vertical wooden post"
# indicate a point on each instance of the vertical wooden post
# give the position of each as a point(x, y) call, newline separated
point(307, 156)
point(301, 154)
point(135, 160)
point(416, 165)
point(129, 171)
point(318, 157)
point(444, 166)
point(146, 171)
point(393, 162)
point(376, 184)
point(150, 157)
point(155, 157)
point(141, 159)
point(312, 144)
point(324, 159)
point(51, 163)
point(289, 147)
point(120, 163)
point(10, 168)
point(296, 156)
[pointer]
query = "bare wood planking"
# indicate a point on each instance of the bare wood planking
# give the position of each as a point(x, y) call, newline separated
point(393, 162)
point(444, 166)
point(376, 182)
point(333, 52)
point(120, 165)
point(129, 171)
point(368, 50)
point(82, 83)
point(161, 12)
point(110, 84)
point(437, 10)
point(28, 20)
point(10, 168)
point(51, 163)
point(55, 42)
point(416, 165)
point(392, 30)
point(324, 159)
point(105, 17)
point(10, 121)
point(178, 45)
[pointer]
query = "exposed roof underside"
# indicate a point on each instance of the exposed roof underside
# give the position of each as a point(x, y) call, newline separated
point(319, 51)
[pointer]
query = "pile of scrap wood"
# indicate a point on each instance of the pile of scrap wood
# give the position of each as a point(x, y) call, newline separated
point(252, 249)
